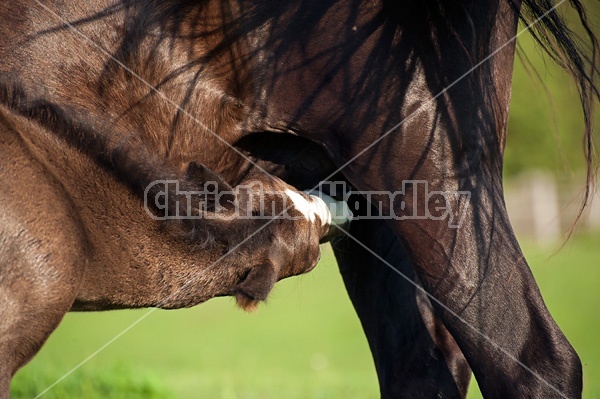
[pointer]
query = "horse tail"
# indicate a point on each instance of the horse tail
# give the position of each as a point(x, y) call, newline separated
point(578, 55)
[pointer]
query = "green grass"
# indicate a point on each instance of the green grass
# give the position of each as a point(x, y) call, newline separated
point(305, 343)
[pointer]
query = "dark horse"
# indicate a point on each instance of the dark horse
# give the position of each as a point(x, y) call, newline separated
point(100, 99)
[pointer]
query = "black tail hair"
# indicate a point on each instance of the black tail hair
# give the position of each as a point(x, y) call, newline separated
point(578, 56)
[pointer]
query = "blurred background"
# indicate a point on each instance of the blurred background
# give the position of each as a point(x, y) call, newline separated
point(306, 342)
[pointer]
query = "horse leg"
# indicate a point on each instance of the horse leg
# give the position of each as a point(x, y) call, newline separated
point(398, 319)
point(470, 262)
point(444, 166)
point(35, 295)
point(41, 256)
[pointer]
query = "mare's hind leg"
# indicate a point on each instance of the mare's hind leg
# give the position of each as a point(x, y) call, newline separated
point(41, 261)
point(414, 355)
point(468, 258)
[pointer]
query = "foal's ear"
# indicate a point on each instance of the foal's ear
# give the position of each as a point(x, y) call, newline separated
point(204, 179)
point(200, 174)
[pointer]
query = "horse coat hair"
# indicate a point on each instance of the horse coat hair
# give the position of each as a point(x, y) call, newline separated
point(101, 99)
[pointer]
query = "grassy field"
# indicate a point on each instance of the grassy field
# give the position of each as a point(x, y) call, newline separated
point(305, 343)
